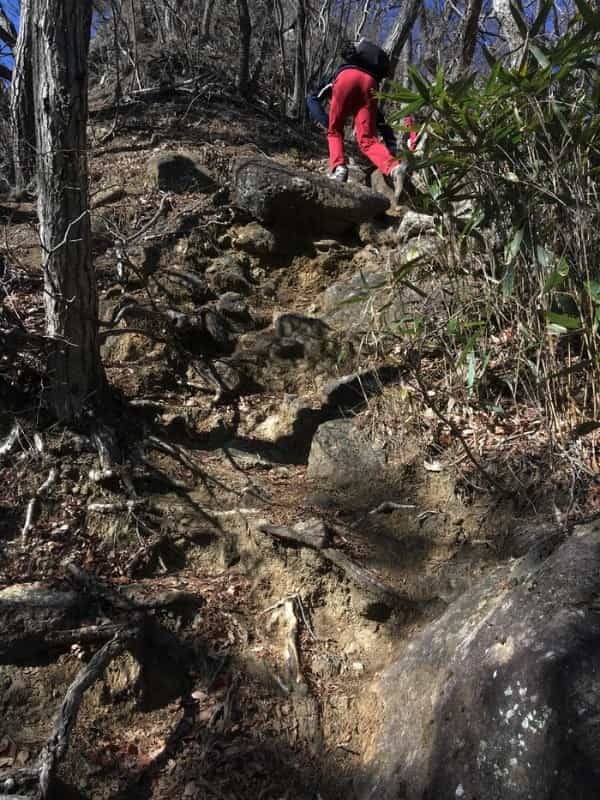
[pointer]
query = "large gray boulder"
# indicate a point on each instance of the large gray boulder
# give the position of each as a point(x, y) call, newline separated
point(281, 197)
point(342, 457)
point(500, 697)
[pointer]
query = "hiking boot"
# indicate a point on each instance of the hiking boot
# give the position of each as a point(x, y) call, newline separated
point(340, 174)
point(398, 176)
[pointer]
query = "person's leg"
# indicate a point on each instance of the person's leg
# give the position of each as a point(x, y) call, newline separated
point(365, 121)
point(341, 107)
point(366, 136)
point(335, 132)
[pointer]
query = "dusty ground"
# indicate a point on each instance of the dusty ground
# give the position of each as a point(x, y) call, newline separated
point(213, 703)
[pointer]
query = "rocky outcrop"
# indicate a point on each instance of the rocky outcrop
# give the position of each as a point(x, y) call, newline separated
point(500, 697)
point(373, 298)
point(281, 197)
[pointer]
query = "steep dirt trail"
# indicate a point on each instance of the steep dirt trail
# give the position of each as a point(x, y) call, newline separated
point(256, 682)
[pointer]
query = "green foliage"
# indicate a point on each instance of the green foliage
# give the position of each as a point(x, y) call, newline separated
point(523, 146)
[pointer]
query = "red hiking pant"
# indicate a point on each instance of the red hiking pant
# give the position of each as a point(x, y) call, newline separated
point(353, 96)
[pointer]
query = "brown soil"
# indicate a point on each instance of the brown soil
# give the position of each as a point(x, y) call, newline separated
point(205, 708)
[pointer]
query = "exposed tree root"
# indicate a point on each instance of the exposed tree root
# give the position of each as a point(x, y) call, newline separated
point(40, 641)
point(57, 745)
point(313, 533)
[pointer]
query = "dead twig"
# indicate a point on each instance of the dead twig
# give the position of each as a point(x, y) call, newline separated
point(32, 506)
point(146, 552)
point(457, 433)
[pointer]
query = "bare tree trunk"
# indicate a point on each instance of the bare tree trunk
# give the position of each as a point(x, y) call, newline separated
point(404, 62)
point(60, 50)
point(265, 48)
point(132, 18)
point(170, 16)
point(206, 18)
point(363, 19)
point(299, 60)
point(468, 34)
point(508, 26)
point(401, 31)
point(280, 21)
point(245, 34)
point(21, 103)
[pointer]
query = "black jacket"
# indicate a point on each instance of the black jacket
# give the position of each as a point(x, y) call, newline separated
point(322, 93)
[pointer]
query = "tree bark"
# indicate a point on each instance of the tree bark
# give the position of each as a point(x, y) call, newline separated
point(299, 61)
point(60, 49)
point(206, 19)
point(362, 21)
point(401, 31)
point(508, 26)
point(21, 103)
point(245, 34)
point(468, 34)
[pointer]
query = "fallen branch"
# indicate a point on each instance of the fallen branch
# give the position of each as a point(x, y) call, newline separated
point(56, 747)
point(38, 780)
point(13, 437)
point(32, 506)
point(29, 515)
point(36, 595)
point(130, 598)
point(311, 533)
point(99, 590)
point(315, 535)
point(388, 506)
point(109, 508)
point(362, 577)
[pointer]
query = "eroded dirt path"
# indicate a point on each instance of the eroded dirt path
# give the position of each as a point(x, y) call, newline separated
point(252, 674)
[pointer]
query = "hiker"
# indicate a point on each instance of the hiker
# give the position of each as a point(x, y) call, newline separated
point(352, 90)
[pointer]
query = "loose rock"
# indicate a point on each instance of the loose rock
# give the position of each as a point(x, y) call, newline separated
point(340, 456)
point(281, 197)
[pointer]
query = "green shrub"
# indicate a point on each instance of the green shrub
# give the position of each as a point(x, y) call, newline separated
point(522, 146)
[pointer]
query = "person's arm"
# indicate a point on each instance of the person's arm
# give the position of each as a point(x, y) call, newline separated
point(314, 103)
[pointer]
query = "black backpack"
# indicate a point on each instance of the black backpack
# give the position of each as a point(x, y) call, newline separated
point(371, 57)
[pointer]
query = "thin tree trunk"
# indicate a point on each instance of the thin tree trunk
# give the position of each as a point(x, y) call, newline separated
point(362, 19)
point(404, 62)
point(206, 18)
point(280, 20)
point(299, 60)
point(265, 48)
point(21, 103)
point(245, 34)
point(401, 31)
point(60, 51)
point(468, 34)
point(509, 28)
